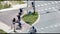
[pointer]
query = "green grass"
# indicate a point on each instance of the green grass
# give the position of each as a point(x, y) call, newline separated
point(1, 31)
point(30, 18)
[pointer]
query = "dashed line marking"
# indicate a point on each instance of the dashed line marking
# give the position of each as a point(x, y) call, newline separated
point(45, 4)
point(59, 11)
point(38, 5)
point(52, 2)
point(55, 25)
point(56, 2)
point(35, 6)
point(48, 3)
point(51, 26)
point(42, 5)
point(46, 9)
point(49, 8)
point(42, 28)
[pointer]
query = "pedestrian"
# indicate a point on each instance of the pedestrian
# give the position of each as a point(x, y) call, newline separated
point(14, 24)
point(18, 17)
point(32, 4)
point(14, 20)
point(20, 13)
point(21, 10)
point(20, 25)
point(33, 30)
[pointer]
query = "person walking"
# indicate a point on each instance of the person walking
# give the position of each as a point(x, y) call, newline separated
point(33, 5)
point(18, 16)
point(14, 23)
point(20, 25)
point(21, 11)
point(33, 30)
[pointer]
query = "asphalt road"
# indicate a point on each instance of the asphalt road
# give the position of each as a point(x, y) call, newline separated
point(49, 16)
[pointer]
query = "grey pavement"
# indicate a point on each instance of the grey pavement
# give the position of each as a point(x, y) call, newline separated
point(7, 16)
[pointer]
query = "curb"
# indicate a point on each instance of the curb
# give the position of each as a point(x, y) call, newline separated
point(37, 19)
point(14, 8)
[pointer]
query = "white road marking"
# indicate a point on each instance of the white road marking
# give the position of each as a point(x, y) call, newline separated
point(42, 5)
point(56, 2)
point(45, 4)
point(48, 3)
point(55, 25)
point(38, 10)
point(59, 11)
point(38, 5)
point(52, 2)
point(51, 26)
point(42, 28)
point(46, 9)
point(49, 8)
point(35, 6)
point(53, 7)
